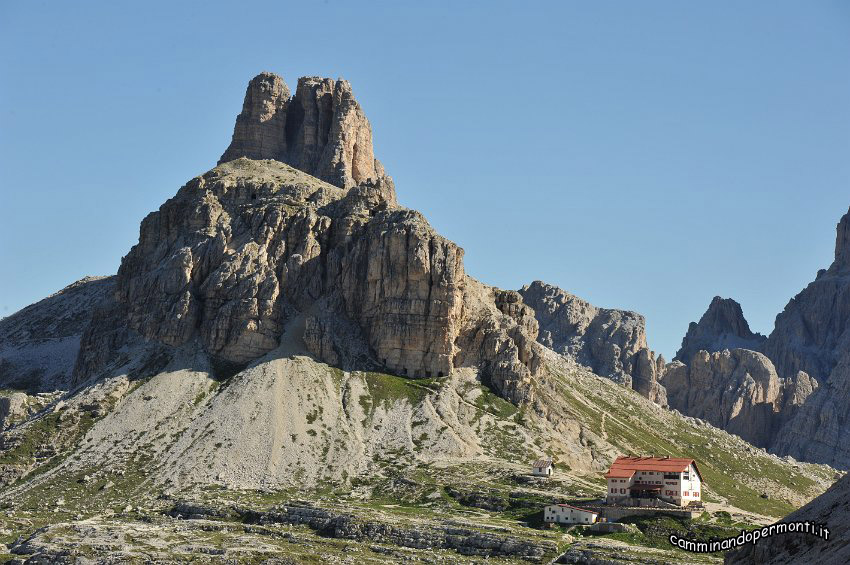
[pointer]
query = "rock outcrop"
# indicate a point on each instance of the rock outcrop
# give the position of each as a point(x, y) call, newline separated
point(321, 130)
point(610, 342)
point(721, 327)
point(256, 242)
point(352, 527)
point(737, 390)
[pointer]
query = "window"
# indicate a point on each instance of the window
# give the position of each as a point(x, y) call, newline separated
point(696, 493)
point(685, 493)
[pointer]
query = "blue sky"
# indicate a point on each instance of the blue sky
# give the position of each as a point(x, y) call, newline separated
point(643, 155)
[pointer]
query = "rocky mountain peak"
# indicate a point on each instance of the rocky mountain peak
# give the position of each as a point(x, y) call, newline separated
point(842, 242)
point(256, 253)
point(723, 326)
point(321, 130)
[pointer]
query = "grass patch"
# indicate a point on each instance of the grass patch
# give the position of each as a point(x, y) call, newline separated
point(489, 402)
point(387, 389)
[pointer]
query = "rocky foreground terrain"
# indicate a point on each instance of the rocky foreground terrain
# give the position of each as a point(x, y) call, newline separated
point(291, 367)
point(833, 509)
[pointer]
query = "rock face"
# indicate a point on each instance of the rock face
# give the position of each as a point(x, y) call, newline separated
point(247, 247)
point(812, 334)
point(737, 390)
point(322, 130)
point(721, 327)
point(610, 342)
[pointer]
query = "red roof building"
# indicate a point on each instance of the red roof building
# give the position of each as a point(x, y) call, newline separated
point(674, 480)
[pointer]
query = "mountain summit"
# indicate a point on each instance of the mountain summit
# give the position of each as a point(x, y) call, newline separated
point(322, 130)
point(723, 326)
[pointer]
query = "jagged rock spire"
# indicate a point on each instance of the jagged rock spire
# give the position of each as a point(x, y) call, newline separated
point(322, 130)
point(723, 326)
point(842, 243)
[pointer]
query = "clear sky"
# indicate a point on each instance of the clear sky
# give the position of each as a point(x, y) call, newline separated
point(642, 155)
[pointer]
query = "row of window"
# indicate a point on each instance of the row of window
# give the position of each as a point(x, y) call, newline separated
point(666, 492)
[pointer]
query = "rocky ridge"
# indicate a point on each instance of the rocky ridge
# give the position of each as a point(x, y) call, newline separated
point(39, 344)
point(610, 342)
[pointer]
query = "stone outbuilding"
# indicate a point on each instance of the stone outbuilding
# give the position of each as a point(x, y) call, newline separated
point(543, 467)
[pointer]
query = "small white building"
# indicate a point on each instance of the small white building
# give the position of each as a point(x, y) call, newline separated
point(543, 468)
point(670, 479)
point(566, 514)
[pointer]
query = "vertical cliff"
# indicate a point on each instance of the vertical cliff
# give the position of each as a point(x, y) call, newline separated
point(321, 130)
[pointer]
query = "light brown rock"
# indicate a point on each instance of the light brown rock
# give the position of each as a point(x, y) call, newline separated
point(321, 130)
point(737, 390)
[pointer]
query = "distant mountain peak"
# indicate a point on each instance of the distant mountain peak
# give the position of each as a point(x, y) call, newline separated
point(723, 326)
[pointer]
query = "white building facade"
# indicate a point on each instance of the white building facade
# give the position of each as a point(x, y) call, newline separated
point(566, 514)
point(543, 468)
point(673, 480)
